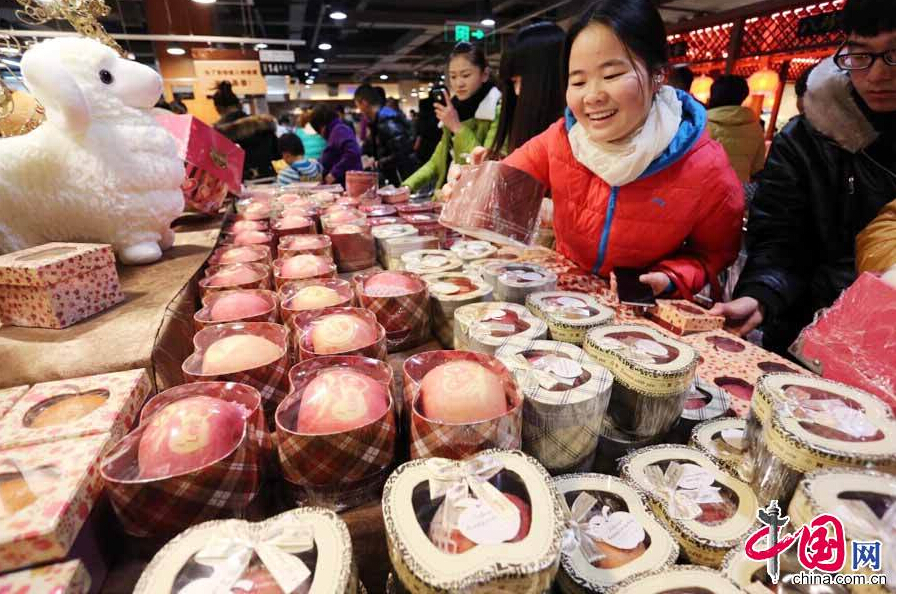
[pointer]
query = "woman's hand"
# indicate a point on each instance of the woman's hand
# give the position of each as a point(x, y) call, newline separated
point(447, 114)
point(742, 315)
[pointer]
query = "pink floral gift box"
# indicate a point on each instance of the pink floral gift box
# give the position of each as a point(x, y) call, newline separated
point(9, 397)
point(57, 284)
point(56, 579)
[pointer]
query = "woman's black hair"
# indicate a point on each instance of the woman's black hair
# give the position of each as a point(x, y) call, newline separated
point(728, 90)
point(321, 117)
point(472, 52)
point(636, 23)
point(535, 56)
point(224, 96)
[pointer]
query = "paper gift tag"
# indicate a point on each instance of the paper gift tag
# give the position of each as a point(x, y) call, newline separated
point(480, 523)
point(695, 477)
point(619, 529)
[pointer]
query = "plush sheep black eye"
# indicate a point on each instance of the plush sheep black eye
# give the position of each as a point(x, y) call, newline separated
point(106, 76)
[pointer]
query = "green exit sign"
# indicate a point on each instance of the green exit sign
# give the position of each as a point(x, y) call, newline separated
point(457, 31)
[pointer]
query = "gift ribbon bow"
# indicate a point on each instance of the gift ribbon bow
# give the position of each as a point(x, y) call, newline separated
point(681, 503)
point(277, 549)
point(860, 516)
point(830, 413)
point(577, 533)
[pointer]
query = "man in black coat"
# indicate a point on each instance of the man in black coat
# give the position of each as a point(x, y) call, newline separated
point(828, 173)
point(391, 142)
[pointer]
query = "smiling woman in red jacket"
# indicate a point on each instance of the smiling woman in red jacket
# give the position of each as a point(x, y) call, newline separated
point(636, 179)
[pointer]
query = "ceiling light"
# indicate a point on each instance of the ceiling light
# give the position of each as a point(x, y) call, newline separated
point(384, 77)
point(488, 22)
point(324, 46)
point(314, 69)
point(261, 46)
point(176, 50)
point(337, 15)
point(318, 60)
point(309, 81)
point(205, 1)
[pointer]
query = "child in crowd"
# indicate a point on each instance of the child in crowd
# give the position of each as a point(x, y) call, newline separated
point(298, 168)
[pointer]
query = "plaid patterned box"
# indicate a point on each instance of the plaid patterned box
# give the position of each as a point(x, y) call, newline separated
point(235, 255)
point(513, 282)
point(57, 284)
point(405, 318)
point(9, 397)
point(447, 440)
point(331, 460)
point(569, 315)
point(67, 578)
point(448, 292)
point(57, 484)
point(483, 327)
point(306, 321)
point(294, 225)
point(165, 506)
point(203, 318)
point(704, 402)
point(326, 272)
point(71, 408)
point(306, 244)
point(384, 232)
point(562, 416)
point(353, 247)
point(362, 184)
point(291, 306)
point(269, 379)
point(684, 317)
point(260, 280)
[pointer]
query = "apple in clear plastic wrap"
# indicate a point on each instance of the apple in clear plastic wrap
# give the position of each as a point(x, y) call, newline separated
point(246, 225)
point(304, 266)
point(304, 242)
point(341, 216)
point(239, 353)
point(251, 237)
point(258, 210)
point(188, 434)
point(314, 297)
point(340, 332)
point(238, 305)
point(292, 221)
point(339, 400)
point(390, 284)
point(238, 255)
point(614, 557)
point(462, 543)
point(460, 392)
point(234, 276)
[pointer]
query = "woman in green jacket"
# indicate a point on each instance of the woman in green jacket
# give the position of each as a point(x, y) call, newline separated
point(468, 120)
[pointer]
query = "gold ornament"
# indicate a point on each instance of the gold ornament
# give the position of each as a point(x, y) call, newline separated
point(81, 14)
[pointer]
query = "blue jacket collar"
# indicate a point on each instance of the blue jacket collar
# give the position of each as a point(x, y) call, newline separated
point(386, 112)
point(694, 120)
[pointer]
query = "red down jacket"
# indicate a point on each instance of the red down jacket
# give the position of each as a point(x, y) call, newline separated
point(682, 217)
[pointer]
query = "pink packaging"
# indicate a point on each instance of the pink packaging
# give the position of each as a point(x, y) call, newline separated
point(57, 284)
point(67, 578)
point(9, 397)
point(214, 162)
point(360, 183)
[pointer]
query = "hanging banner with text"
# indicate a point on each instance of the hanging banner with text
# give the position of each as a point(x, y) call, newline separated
point(278, 62)
point(244, 75)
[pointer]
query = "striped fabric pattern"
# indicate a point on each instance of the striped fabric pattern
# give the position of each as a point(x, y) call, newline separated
point(300, 171)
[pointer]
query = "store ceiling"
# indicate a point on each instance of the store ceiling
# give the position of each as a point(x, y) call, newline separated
point(394, 37)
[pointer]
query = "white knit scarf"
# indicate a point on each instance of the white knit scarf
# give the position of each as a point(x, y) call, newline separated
point(621, 162)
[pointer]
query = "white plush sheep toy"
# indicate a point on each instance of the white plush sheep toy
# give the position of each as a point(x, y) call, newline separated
point(100, 169)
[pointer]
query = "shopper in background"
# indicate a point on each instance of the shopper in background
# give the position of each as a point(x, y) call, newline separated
point(391, 143)
point(636, 180)
point(284, 124)
point(681, 77)
point(342, 152)
point(735, 126)
point(469, 118)
point(298, 167)
point(313, 142)
point(800, 88)
point(427, 131)
point(257, 134)
point(829, 173)
point(531, 76)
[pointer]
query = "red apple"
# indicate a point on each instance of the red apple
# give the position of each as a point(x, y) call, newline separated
point(462, 392)
point(239, 353)
point(614, 557)
point(339, 333)
point(239, 305)
point(313, 297)
point(187, 434)
point(347, 229)
point(463, 544)
point(234, 276)
point(339, 400)
point(291, 221)
point(341, 216)
point(247, 225)
point(304, 242)
point(391, 284)
point(251, 237)
point(304, 266)
point(239, 255)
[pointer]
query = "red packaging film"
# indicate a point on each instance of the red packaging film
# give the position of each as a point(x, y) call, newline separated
point(236, 306)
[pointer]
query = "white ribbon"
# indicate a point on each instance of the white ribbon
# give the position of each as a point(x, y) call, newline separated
point(230, 556)
point(680, 503)
point(830, 413)
point(577, 532)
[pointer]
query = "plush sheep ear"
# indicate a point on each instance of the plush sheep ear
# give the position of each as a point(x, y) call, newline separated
point(57, 90)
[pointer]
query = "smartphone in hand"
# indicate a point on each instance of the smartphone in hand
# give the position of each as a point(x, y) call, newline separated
point(630, 291)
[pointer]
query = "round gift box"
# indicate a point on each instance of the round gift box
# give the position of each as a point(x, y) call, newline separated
point(430, 261)
point(381, 233)
point(469, 250)
point(415, 207)
point(679, 579)
point(569, 315)
point(306, 244)
point(717, 522)
point(723, 441)
point(353, 247)
point(340, 216)
point(405, 317)
point(353, 202)
point(614, 444)
point(396, 248)
point(704, 402)
point(485, 326)
point(237, 255)
point(565, 397)
point(626, 517)
point(204, 317)
point(360, 183)
point(448, 292)
point(427, 224)
point(258, 277)
point(328, 271)
point(514, 281)
point(460, 440)
point(289, 307)
point(306, 321)
point(652, 376)
point(341, 469)
point(394, 195)
point(478, 266)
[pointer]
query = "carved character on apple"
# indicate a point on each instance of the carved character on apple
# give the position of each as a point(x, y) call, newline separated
point(233, 276)
point(387, 284)
point(304, 266)
point(460, 543)
point(239, 305)
point(188, 434)
point(313, 297)
point(251, 237)
point(339, 400)
point(239, 353)
point(340, 333)
point(461, 392)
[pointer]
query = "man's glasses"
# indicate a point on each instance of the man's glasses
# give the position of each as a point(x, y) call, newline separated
point(861, 60)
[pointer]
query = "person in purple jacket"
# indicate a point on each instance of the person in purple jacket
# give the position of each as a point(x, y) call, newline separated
point(342, 152)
